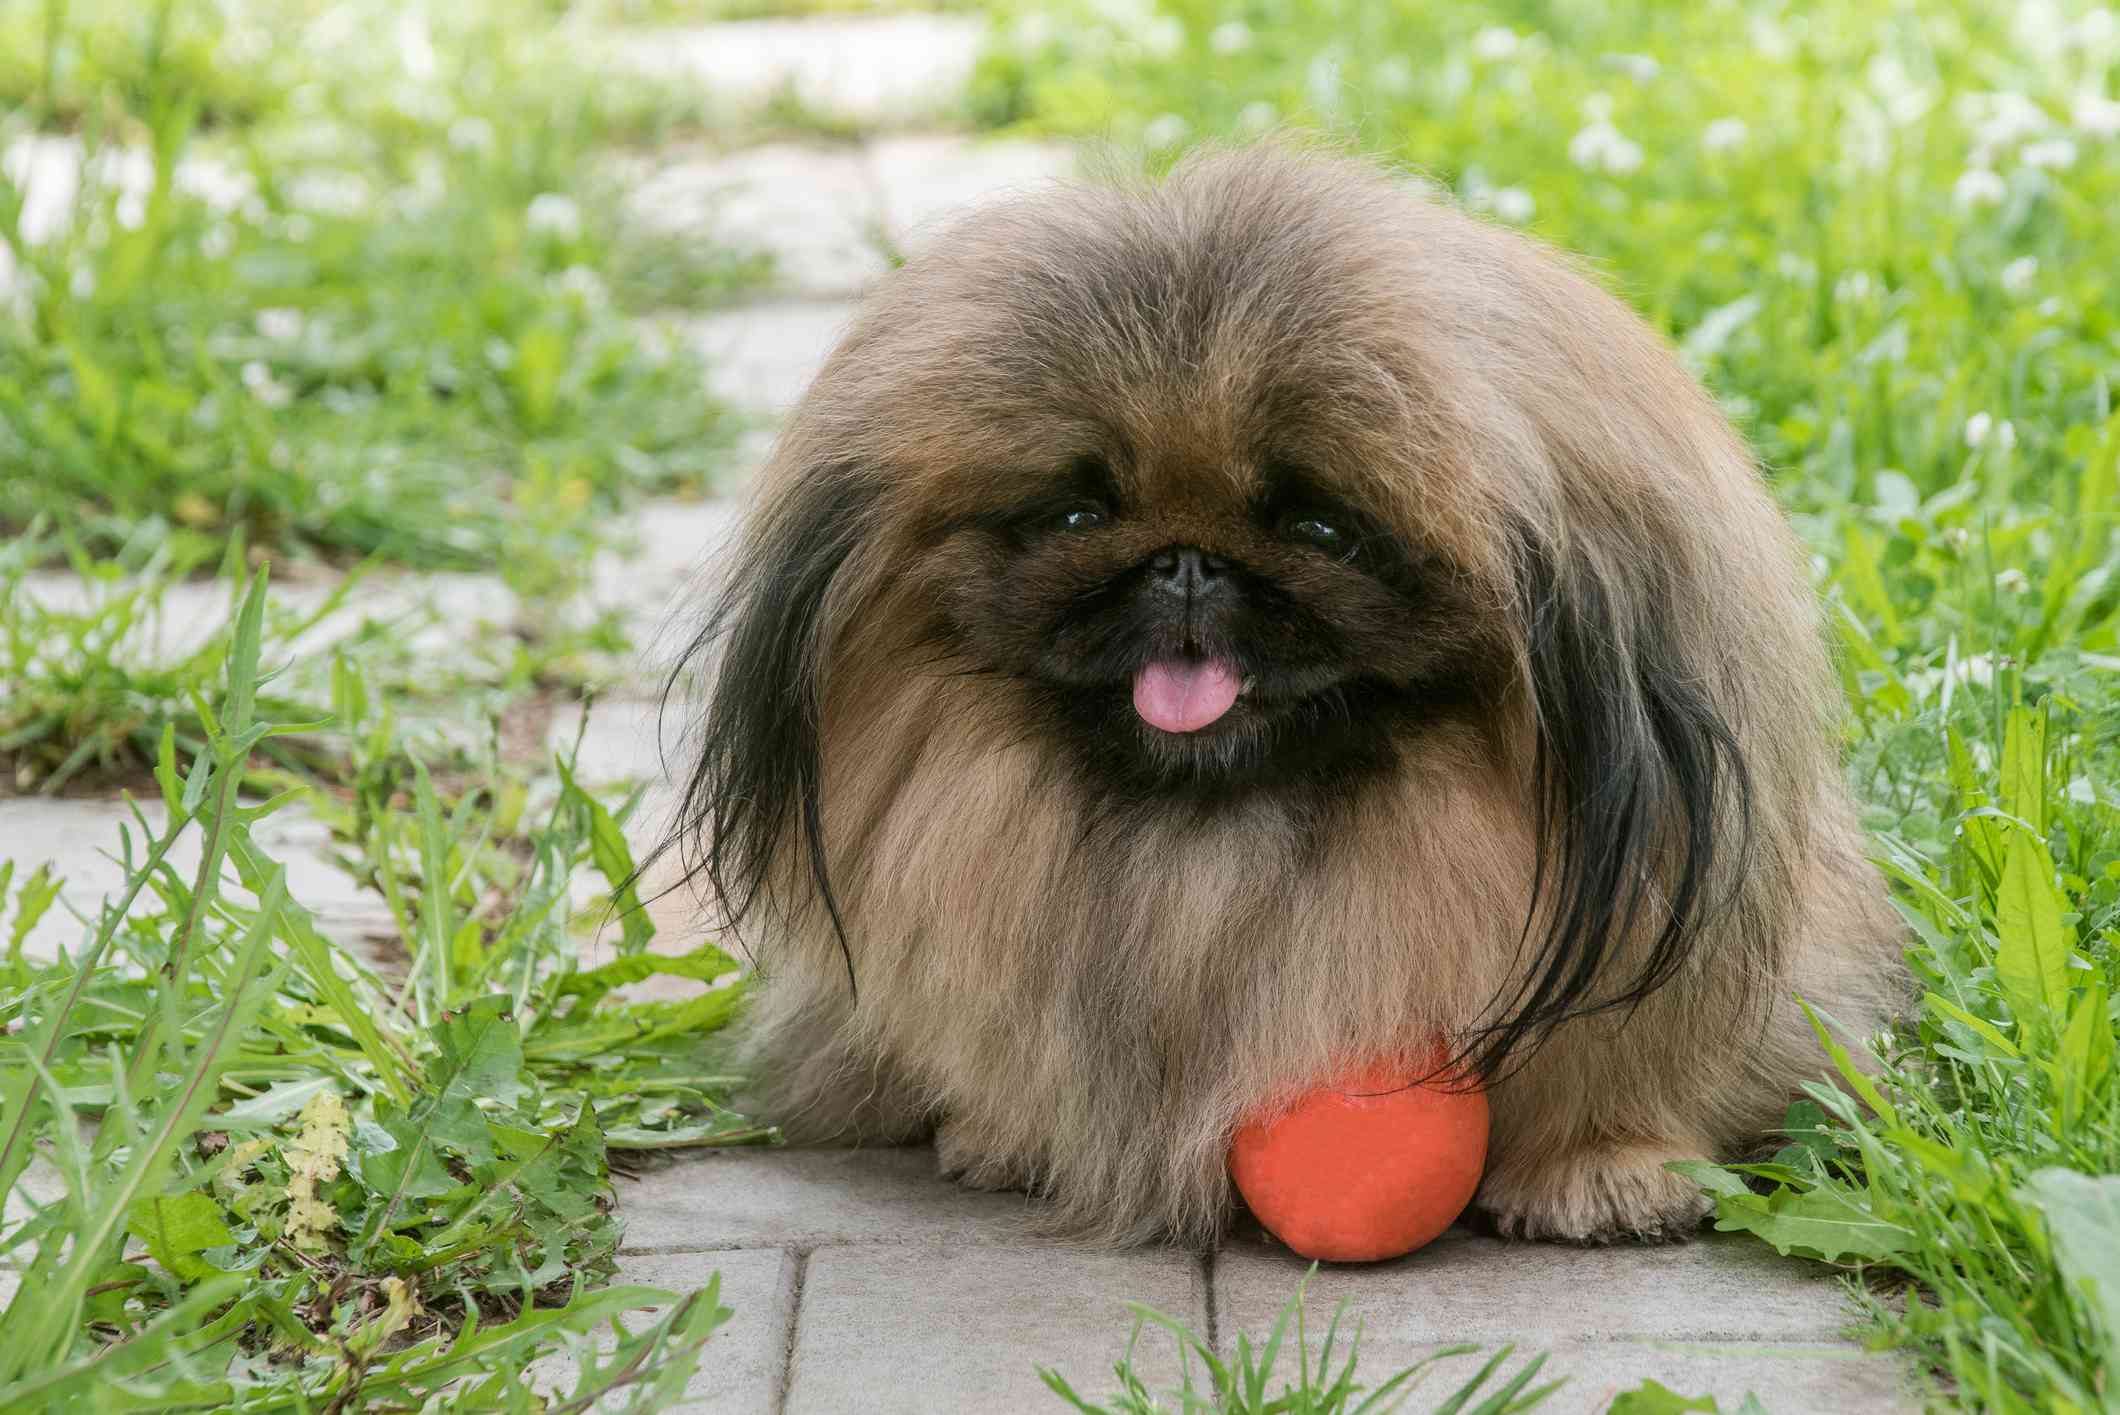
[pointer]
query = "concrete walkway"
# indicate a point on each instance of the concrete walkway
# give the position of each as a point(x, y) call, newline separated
point(860, 1281)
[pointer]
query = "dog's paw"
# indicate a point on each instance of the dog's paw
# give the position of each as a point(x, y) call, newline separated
point(1600, 1194)
point(960, 1157)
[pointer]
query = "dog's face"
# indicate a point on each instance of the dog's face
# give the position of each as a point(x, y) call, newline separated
point(1201, 622)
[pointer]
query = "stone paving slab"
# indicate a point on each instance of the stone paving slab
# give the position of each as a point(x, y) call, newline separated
point(863, 70)
point(1788, 1379)
point(79, 837)
point(1468, 1287)
point(762, 356)
point(927, 177)
point(1722, 1313)
point(436, 609)
point(625, 741)
point(658, 580)
point(39, 1184)
point(813, 206)
point(743, 1363)
point(796, 1198)
point(964, 1329)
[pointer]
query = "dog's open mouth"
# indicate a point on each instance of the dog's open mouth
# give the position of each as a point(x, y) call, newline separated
point(1186, 694)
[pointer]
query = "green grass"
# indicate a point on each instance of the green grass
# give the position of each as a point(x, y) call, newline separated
point(290, 1180)
point(379, 314)
point(1325, 1380)
point(1881, 233)
point(344, 307)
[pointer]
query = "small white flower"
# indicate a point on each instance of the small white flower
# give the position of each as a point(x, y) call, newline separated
point(1603, 148)
point(2012, 581)
point(217, 241)
point(131, 210)
point(82, 282)
point(1904, 98)
point(1853, 287)
point(1773, 42)
point(1257, 117)
point(1034, 32)
point(1163, 37)
point(1981, 426)
point(415, 48)
point(1978, 187)
point(550, 214)
point(280, 323)
point(1394, 75)
point(2096, 116)
point(1724, 134)
point(1638, 67)
point(1794, 267)
point(1322, 83)
point(334, 192)
point(471, 135)
point(221, 188)
point(1494, 43)
point(1512, 204)
point(582, 283)
point(1164, 131)
point(2003, 119)
point(2051, 152)
point(1230, 37)
point(2018, 275)
point(264, 387)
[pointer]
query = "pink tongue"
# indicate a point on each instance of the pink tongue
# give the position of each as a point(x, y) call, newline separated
point(1183, 695)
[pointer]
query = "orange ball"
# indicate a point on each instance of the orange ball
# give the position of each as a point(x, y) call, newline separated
point(1371, 1166)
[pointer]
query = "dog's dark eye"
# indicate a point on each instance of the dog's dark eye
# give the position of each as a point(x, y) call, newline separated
point(1313, 530)
point(1081, 518)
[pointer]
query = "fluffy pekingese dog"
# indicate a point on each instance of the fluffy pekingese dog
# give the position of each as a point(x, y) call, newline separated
point(1194, 637)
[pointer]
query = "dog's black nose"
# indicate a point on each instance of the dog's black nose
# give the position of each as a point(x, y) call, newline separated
point(1188, 570)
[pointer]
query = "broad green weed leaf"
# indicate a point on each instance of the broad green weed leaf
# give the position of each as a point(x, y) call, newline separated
point(705, 964)
point(2023, 792)
point(2032, 942)
point(1654, 1398)
point(1825, 1223)
point(2083, 1214)
point(1864, 585)
point(481, 1054)
point(176, 1228)
point(1987, 1031)
point(1857, 1078)
point(1982, 835)
point(2086, 1050)
point(1711, 1177)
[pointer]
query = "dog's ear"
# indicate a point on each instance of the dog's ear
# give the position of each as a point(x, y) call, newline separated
point(764, 644)
point(1643, 798)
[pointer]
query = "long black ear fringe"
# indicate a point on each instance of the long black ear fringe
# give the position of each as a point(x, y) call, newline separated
point(760, 769)
point(1644, 807)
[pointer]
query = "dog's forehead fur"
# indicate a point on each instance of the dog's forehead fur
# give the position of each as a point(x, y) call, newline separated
point(1246, 311)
